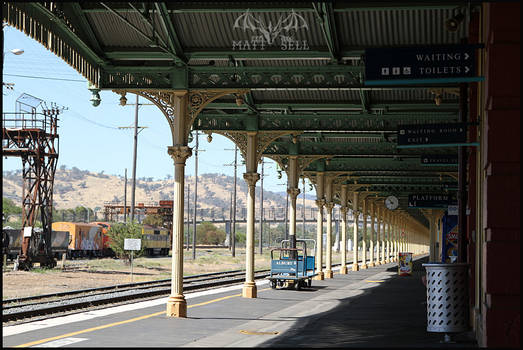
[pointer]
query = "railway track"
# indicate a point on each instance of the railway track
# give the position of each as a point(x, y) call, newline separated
point(22, 310)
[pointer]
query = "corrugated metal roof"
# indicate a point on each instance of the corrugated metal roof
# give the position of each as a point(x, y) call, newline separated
point(377, 28)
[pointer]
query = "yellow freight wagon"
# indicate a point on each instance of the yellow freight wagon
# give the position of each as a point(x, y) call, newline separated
point(156, 240)
point(85, 240)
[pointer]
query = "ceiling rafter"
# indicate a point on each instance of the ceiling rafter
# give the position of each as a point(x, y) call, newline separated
point(325, 15)
point(172, 36)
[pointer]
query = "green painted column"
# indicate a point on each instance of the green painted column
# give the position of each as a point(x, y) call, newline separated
point(320, 202)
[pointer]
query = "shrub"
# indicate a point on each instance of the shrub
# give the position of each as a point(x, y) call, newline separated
point(117, 235)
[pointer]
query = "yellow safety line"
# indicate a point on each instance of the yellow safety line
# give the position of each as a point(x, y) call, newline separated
point(374, 281)
point(36, 342)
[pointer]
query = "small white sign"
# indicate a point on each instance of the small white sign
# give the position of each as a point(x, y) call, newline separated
point(132, 244)
point(453, 210)
point(28, 231)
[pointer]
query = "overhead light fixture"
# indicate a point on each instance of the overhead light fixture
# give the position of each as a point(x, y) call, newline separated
point(209, 137)
point(123, 100)
point(239, 101)
point(452, 24)
point(17, 51)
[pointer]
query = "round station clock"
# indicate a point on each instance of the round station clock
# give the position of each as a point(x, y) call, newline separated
point(391, 202)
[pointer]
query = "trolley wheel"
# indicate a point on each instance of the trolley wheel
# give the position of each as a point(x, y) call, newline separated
point(309, 282)
point(297, 285)
point(273, 284)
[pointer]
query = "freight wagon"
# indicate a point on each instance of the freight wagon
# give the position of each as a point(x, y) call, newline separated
point(85, 240)
point(13, 242)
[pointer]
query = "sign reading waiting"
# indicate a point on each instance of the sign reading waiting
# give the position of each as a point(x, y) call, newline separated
point(424, 64)
point(431, 135)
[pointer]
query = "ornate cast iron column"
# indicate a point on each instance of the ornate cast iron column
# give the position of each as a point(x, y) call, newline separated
point(293, 191)
point(356, 214)
point(364, 238)
point(383, 237)
point(378, 236)
point(371, 237)
point(176, 304)
point(329, 205)
point(343, 210)
point(251, 177)
point(387, 235)
point(320, 202)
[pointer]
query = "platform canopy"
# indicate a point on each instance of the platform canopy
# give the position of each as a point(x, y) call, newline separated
point(302, 67)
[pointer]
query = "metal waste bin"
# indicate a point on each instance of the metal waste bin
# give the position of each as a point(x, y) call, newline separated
point(447, 297)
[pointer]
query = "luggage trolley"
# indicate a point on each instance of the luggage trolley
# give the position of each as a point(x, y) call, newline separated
point(291, 268)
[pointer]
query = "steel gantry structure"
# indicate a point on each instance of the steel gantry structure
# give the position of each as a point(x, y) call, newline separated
point(286, 80)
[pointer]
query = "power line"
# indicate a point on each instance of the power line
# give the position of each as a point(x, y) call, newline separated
point(46, 78)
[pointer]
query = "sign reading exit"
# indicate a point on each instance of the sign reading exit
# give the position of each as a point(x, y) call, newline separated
point(424, 64)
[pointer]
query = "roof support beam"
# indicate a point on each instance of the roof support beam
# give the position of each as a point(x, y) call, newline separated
point(325, 14)
point(172, 36)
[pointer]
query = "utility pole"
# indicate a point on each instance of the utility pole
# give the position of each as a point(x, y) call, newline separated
point(261, 209)
point(134, 157)
point(195, 197)
point(125, 198)
point(233, 224)
point(188, 212)
point(136, 132)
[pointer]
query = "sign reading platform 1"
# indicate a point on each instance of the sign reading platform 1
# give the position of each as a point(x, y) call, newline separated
point(422, 64)
point(433, 135)
point(429, 200)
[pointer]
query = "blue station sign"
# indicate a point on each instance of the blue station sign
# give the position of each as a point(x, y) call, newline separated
point(423, 64)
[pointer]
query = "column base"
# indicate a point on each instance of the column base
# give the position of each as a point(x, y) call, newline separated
point(371, 264)
point(383, 262)
point(387, 261)
point(319, 276)
point(176, 306)
point(355, 267)
point(364, 266)
point(378, 263)
point(329, 274)
point(249, 290)
point(343, 270)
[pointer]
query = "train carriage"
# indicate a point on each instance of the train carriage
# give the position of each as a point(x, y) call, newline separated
point(156, 240)
point(85, 239)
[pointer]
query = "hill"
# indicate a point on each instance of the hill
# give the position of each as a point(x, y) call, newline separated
point(74, 187)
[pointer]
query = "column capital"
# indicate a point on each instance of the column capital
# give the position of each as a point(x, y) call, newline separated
point(344, 210)
point(293, 192)
point(251, 178)
point(329, 205)
point(320, 203)
point(179, 153)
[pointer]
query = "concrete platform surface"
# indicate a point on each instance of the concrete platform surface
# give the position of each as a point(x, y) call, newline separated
point(367, 308)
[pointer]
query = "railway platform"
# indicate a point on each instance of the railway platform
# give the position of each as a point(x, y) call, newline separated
point(374, 307)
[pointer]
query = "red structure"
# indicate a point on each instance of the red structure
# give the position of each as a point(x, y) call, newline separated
point(32, 134)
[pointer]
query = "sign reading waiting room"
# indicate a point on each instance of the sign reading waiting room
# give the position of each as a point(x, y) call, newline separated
point(423, 64)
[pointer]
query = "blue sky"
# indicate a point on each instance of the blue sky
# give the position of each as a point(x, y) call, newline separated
point(90, 138)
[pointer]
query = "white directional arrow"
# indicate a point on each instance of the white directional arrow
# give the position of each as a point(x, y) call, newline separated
point(466, 56)
point(467, 69)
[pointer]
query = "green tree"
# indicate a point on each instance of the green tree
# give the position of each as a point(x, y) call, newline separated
point(10, 208)
point(153, 220)
point(207, 233)
point(117, 235)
